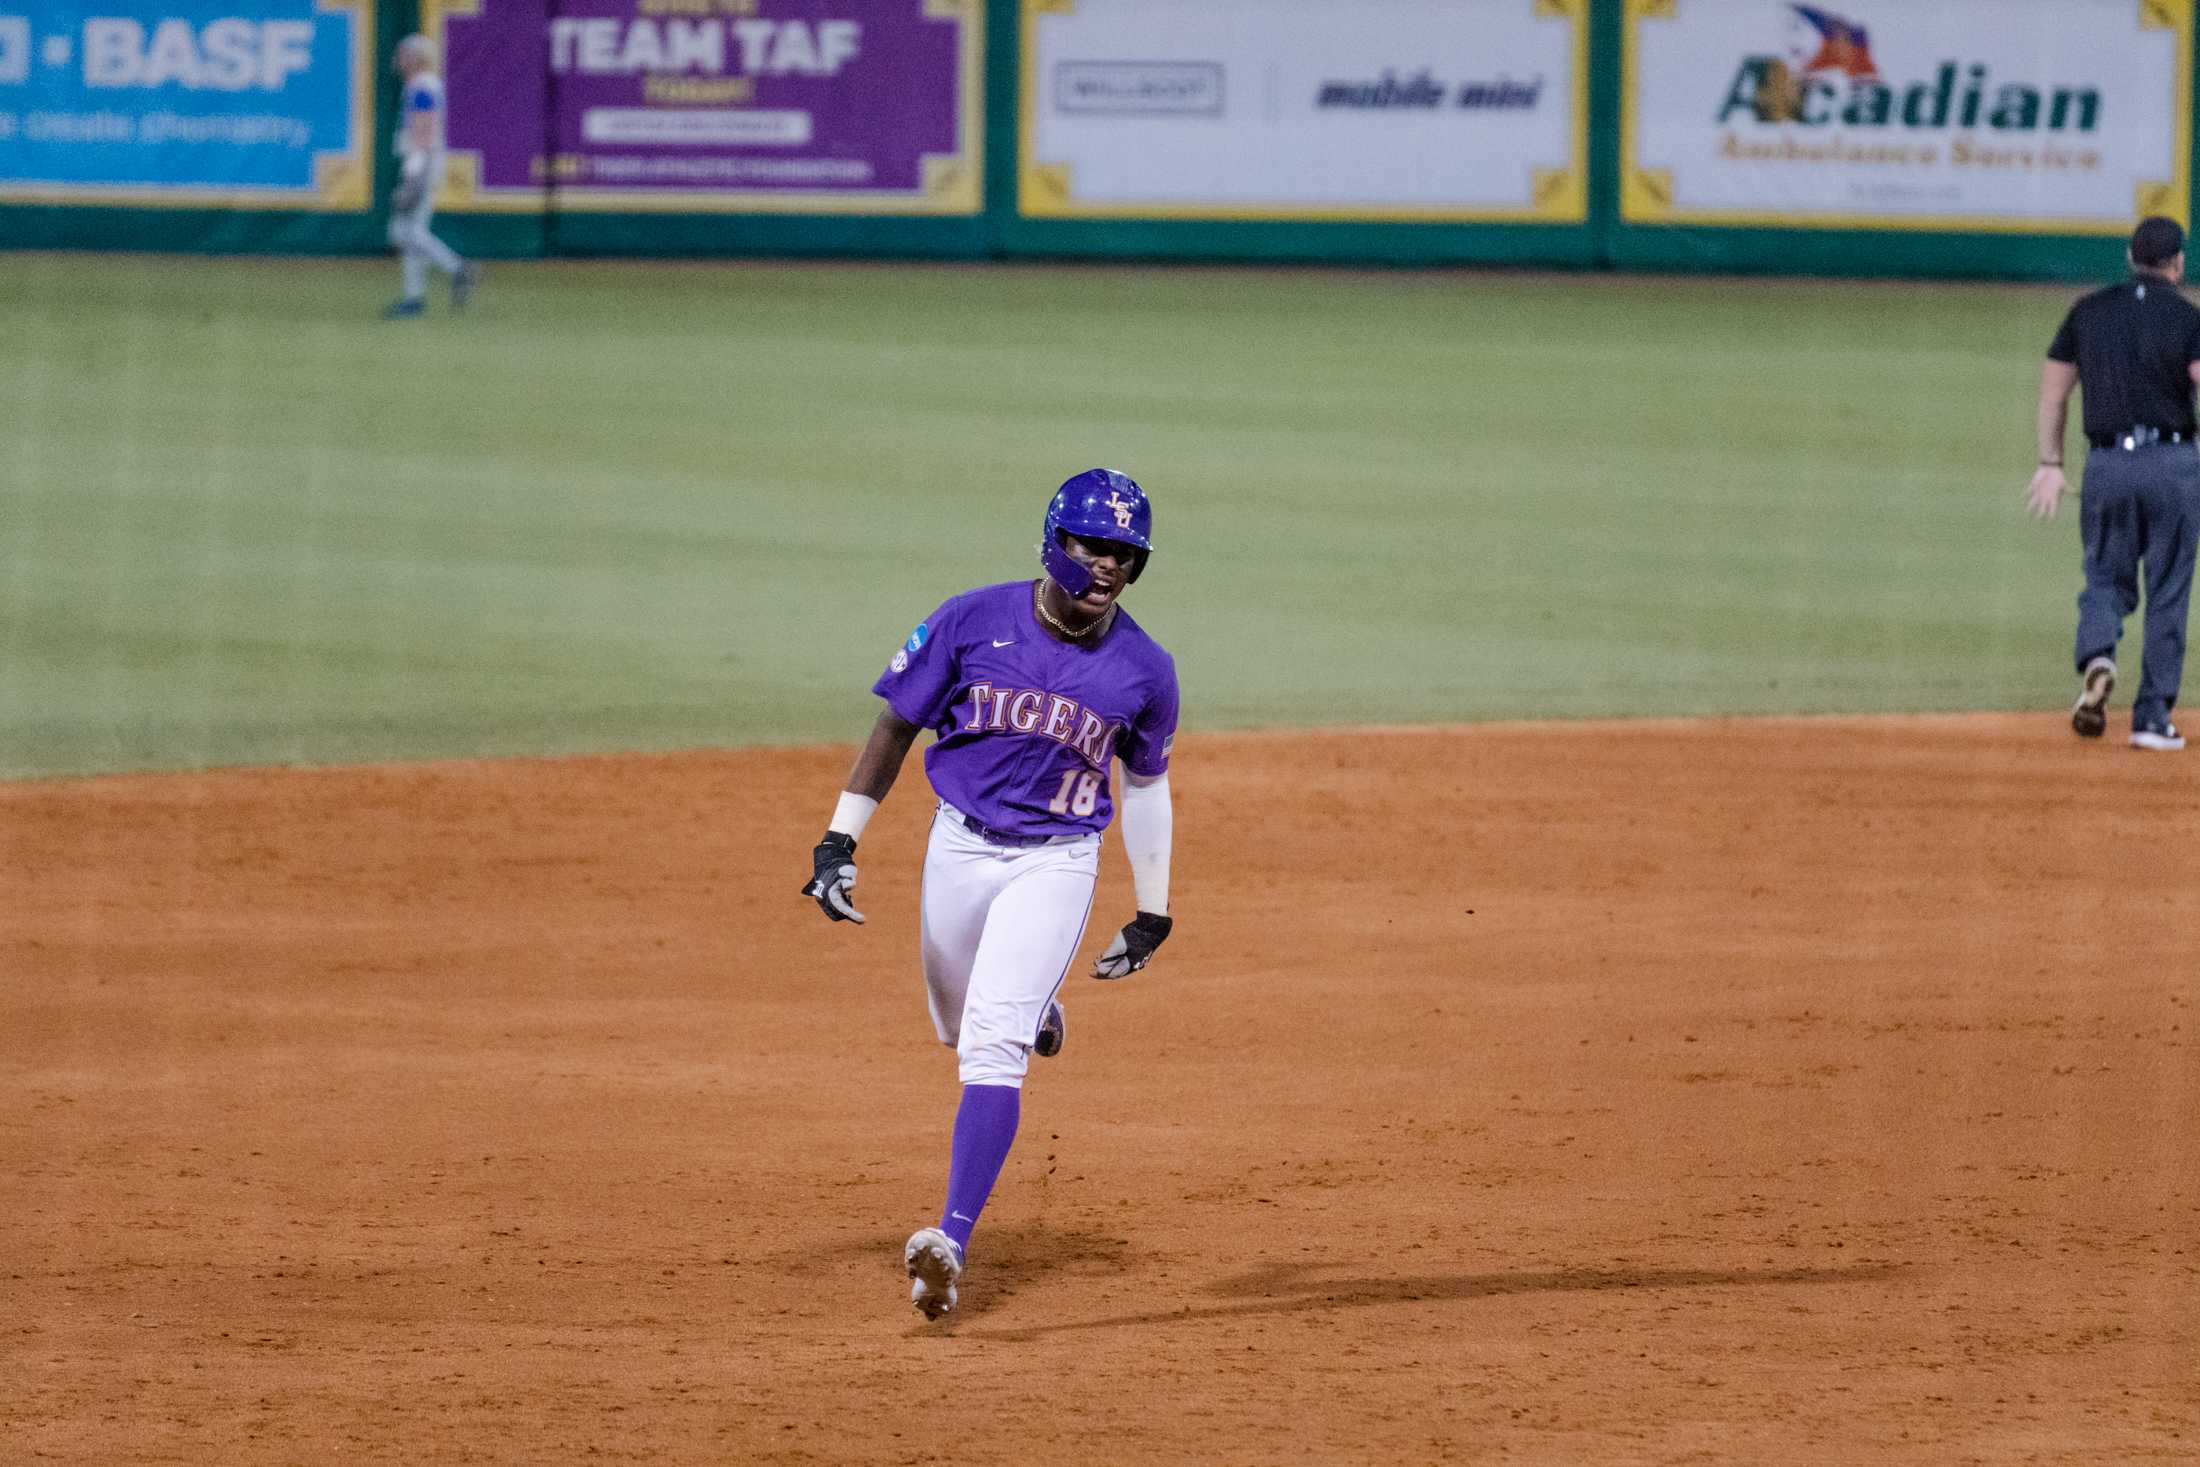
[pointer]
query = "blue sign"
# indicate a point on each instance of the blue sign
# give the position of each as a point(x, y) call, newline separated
point(236, 103)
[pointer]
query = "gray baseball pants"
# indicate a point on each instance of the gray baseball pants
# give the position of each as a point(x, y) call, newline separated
point(2140, 511)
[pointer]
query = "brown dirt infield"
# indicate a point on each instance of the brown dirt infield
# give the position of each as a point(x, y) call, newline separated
point(1802, 1091)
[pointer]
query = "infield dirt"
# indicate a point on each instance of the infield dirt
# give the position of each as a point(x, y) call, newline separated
point(1793, 1090)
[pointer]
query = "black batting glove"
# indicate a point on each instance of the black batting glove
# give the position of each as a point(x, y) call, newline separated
point(833, 877)
point(1133, 947)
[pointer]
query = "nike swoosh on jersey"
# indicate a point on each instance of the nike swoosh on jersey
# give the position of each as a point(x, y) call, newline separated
point(1009, 643)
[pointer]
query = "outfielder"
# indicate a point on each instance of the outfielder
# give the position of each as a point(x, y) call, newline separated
point(420, 173)
point(1031, 689)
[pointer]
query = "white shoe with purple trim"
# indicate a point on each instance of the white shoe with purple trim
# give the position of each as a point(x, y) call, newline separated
point(934, 1264)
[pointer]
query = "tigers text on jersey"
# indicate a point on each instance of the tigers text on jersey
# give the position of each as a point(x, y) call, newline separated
point(1025, 722)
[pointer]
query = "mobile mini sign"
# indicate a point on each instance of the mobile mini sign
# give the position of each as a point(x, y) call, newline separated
point(166, 102)
point(2053, 116)
point(1470, 110)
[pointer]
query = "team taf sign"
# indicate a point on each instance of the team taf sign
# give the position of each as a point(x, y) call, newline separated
point(2065, 116)
point(759, 106)
point(170, 102)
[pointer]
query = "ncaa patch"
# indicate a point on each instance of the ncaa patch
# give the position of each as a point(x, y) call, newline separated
point(918, 638)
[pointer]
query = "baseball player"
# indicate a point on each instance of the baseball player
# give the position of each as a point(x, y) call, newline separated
point(420, 174)
point(1031, 689)
point(2135, 346)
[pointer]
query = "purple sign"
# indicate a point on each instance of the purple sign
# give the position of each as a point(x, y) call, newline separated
point(813, 106)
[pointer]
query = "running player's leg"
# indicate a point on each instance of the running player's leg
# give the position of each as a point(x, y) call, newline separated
point(2108, 531)
point(962, 875)
point(1031, 936)
point(417, 250)
point(434, 250)
point(2169, 510)
point(412, 265)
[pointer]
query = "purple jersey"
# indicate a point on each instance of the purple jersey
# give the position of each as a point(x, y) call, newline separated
point(1025, 722)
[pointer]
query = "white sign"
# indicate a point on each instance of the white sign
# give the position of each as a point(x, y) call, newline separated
point(683, 127)
point(1305, 109)
point(2063, 116)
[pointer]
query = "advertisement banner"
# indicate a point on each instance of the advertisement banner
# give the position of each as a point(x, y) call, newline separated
point(1305, 109)
point(2034, 116)
point(187, 103)
point(773, 106)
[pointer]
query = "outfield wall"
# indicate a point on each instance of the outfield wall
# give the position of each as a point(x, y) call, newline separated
point(2015, 138)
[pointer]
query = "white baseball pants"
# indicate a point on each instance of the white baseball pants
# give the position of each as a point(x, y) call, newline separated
point(999, 926)
point(417, 249)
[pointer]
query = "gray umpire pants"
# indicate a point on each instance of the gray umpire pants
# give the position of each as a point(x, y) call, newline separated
point(2140, 510)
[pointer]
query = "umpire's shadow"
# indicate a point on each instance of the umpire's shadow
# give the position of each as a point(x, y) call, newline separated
point(1299, 1288)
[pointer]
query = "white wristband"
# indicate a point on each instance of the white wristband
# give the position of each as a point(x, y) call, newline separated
point(852, 814)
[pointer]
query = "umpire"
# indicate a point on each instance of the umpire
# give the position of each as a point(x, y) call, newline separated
point(2136, 347)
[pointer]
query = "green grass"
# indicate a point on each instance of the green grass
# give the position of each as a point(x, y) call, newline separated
point(648, 506)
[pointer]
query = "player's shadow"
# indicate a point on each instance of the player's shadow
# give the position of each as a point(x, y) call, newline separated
point(1297, 1288)
point(1018, 1255)
point(1014, 1256)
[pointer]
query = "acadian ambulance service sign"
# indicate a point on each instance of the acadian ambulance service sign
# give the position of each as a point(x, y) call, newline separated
point(2059, 116)
point(1305, 109)
point(191, 103)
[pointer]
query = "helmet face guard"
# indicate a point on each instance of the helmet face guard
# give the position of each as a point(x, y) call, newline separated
point(1098, 504)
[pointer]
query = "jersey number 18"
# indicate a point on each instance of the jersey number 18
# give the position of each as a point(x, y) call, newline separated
point(1079, 800)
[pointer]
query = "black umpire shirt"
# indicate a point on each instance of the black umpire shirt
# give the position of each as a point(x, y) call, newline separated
point(2132, 343)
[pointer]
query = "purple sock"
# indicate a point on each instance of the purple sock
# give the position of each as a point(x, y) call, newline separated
point(985, 1127)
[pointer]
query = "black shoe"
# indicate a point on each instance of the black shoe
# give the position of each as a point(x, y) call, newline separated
point(2089, 715)
point(1052, 1031)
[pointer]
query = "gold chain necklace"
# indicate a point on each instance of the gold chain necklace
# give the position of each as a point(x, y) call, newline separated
point(1039, 604)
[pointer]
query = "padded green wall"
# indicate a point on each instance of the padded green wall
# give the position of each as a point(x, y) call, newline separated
point(1601, 241)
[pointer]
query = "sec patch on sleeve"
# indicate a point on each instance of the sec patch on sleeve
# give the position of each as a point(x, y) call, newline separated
point(917, 639)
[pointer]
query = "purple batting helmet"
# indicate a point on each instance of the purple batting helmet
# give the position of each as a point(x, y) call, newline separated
point(1099, 504)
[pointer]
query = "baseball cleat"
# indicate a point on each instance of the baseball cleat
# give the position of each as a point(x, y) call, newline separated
point(1053, 1029)
point(411, 308)
point(463, 285)
point(2089, 715)
point(934, 1263)
point(2163, 735)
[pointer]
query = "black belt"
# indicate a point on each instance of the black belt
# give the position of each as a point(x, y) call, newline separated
point(991, 836)
point(2132, 438)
